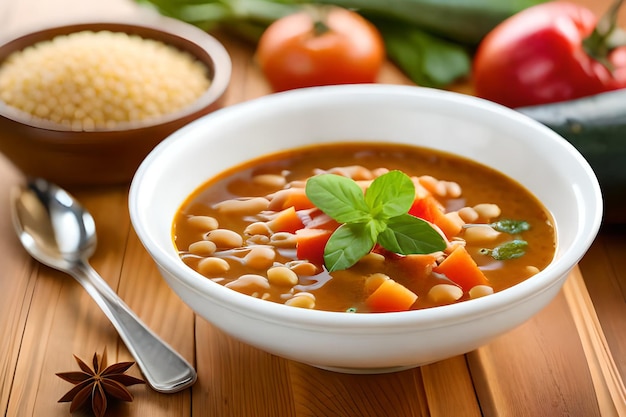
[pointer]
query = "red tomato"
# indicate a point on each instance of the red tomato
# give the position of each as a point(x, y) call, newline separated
point(537, 57)
point(300, 51)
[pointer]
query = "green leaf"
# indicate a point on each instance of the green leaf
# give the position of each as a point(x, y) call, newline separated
point(406, 235)
point(390, 195)
point(508, 250)
point(339, 197)
point(347, 244)
point(378, 216)
point(510, 226)
point(426, 59)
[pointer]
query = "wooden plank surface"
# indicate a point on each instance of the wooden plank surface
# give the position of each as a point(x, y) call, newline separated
point(569, 360)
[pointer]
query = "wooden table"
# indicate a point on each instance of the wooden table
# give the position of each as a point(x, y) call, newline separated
point(570, 360)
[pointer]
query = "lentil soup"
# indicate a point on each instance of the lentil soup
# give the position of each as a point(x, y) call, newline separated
point(254, 230)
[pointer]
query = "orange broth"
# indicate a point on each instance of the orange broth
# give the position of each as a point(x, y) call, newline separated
point(348, 290)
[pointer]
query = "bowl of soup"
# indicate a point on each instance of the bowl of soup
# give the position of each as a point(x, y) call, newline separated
point(365, 228)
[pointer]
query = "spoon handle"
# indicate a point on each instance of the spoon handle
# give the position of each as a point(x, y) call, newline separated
point(164, 369)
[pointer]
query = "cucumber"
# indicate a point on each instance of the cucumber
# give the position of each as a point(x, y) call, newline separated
point(596, 126)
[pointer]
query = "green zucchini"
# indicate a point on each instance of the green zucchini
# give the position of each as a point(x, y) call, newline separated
point(596, 126)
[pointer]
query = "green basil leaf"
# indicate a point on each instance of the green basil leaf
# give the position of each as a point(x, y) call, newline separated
point(347, 244)
point(508, 250)
point(376, 227)
point(390, 195)
point(378, 216)
point(406, 235)
point(510, 226)
point(339, 197)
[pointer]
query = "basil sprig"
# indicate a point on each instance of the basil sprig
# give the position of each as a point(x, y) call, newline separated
point(380, 215)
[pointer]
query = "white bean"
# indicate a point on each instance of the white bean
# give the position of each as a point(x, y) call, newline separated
point(480, 291)
point(487, 210)
point(213, 266)
point(468, 214)
point(261, 257)
point(480, 234)
point(225, 238)
point(283, 240)
point(243, 206)
point(532, 270)
point(257, 228)
point(379, 171)
point(258, 240)
point(250, 282)
point(306, 269)
point(372, 259)
point(302, 300)
point(205, 223)
point(203, 248)
point(269, 180)
point(433, 185)
point(445, 293)
point(283, 276)
point(356, 172)
point(453, 190)
point(297, 184)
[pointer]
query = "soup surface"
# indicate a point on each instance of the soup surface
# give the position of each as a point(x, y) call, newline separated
point(254, 229)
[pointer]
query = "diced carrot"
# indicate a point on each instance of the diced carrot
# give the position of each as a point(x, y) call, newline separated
point(320, 220)
point(286, 220)
point(461, 268)
point(448, 225)
point(429, 209)
point(297, 199)
point(310, 244)
point(418, 265)
point(390, 296)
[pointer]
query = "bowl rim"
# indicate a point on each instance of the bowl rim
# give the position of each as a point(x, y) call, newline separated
point(173, 31)
point(392, 322)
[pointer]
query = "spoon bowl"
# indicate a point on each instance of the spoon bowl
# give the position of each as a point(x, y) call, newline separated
point(58, 232)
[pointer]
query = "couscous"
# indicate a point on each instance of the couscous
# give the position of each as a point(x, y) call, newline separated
point(98, 80)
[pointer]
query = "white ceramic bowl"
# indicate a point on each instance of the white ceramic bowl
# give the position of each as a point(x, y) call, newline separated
point(508, 141)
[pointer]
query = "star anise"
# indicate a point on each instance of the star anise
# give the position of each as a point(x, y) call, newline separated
point(98, 383)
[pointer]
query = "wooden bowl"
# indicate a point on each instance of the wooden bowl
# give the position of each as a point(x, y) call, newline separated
point(107, 156)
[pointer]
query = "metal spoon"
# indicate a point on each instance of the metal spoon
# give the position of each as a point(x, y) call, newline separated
point(57, 231)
